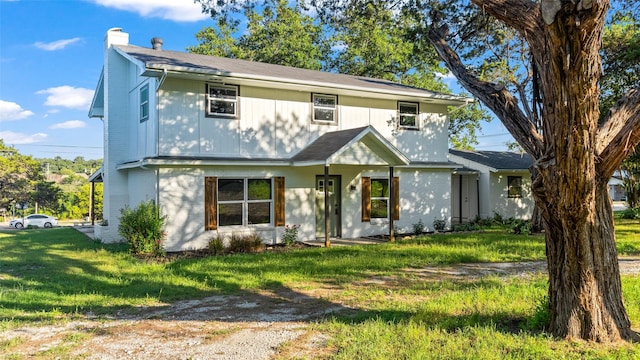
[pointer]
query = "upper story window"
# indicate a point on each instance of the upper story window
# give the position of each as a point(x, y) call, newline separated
point(222, 100)
point(408, 115)
point(514, 186)
point(144, 103)
point(325, 108)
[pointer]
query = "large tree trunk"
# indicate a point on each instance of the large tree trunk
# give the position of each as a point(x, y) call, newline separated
point(574, 157)
point(585, 294)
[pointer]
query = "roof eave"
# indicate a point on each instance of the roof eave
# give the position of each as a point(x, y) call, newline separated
point(155, 70)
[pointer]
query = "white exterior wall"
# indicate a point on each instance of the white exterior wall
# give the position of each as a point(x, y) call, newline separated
point(116, 135)
point(277, 123)
point(501, 203)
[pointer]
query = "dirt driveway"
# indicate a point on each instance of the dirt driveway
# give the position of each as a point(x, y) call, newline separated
point(249, 325)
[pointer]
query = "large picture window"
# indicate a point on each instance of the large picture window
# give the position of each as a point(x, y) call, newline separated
point(325, 108)
point(243, 202)
point(514, 184)
point(222, 100)
point(408, 115)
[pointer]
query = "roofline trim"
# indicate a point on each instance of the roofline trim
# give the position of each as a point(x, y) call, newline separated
point(453, 100)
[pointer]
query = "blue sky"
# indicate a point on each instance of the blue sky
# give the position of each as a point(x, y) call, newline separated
point(51, 58)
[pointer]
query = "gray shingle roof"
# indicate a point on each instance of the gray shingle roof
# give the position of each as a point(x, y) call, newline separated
point(499, 160)
point(326, 145)
point(205, 64)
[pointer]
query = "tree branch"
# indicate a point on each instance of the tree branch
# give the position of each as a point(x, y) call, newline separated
point(494, 96)
point(526, 12)
point(619, 135)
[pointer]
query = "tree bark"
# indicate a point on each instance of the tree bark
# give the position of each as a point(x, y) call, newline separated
point(574, 158)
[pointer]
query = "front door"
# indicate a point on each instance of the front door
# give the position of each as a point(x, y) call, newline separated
point(335, 206)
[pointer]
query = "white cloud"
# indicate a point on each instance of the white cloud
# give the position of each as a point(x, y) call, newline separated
point(56, 45)
point(174, 10)
point(68, 96)
point(12, 111)
point(71, 124)
point(14, 138)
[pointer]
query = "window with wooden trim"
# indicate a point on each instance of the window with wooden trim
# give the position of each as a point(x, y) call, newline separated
point(408, 115)
point(144, 103)
point(376, 199)
point(222, 100)
point(514, 186)
point(243, 202)
point(325, 108)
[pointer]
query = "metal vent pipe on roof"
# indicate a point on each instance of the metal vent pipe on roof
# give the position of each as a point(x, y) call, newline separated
point(156, 43)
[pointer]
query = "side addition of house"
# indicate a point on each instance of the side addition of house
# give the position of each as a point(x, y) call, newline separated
point(490, 183)
point(226, 146)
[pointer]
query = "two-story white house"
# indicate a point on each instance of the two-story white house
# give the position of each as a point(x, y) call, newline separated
point(226, 145)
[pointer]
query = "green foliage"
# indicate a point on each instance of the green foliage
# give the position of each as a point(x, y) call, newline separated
point(418, 228)
point(278, 34)
point(19, 175)
point(290, 235)
point(470, 226)
point(631, 213)
point(216, 245)
point(250, 243)
point(439, 225)
point(541, 315)
point(519, 226)
point(143, 228)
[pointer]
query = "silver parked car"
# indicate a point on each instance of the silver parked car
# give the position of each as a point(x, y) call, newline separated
point(39, 220)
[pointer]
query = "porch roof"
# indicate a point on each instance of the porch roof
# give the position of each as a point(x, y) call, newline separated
point(359, 146)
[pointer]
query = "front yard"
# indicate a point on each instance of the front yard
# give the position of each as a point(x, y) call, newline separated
point(63, 296)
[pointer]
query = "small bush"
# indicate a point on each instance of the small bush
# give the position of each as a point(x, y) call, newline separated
point(216, 245)
point(520, 227)
point(439, 225)
point(541, 315)
point(143, 228)
point(290, 235)
point(466, 227)
point(631, 214)
point(250, 243)
point(418, 228)
point(497, 218)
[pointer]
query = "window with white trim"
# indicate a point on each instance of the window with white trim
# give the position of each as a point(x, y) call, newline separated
point(245, 202)
point(222, 100)
point(379, 198)
point(144, 103)
point(408, 115)
point(325, 108)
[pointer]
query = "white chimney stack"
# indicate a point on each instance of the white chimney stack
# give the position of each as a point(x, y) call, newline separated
point(115, 36)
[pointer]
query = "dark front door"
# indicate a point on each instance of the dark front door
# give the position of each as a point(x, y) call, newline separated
point(335, 206)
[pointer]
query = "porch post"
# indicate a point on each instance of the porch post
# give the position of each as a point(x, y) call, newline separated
point(460, 199)
point(392, 206)
point(327, 235)
point(91, 203)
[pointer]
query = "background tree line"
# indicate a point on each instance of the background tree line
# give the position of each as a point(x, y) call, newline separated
point(55, 186)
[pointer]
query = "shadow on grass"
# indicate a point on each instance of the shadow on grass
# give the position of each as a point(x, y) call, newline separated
point(50, 274)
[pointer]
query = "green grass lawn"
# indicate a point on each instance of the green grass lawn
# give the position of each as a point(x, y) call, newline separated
point(51, 276)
